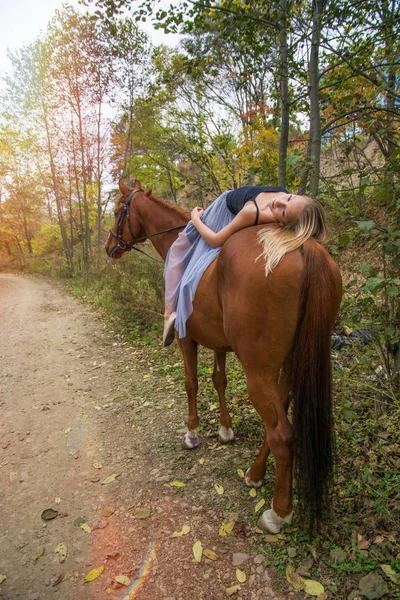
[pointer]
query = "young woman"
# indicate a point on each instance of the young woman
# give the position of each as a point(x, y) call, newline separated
point(298, 218)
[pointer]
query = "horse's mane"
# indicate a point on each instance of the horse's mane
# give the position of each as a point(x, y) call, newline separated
point(178, 209)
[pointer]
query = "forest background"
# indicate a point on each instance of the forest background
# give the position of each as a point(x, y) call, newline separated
point(303, 94)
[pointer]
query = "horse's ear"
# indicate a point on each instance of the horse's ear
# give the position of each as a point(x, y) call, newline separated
point(137, 184)
point(148, 191)
point(123, 188)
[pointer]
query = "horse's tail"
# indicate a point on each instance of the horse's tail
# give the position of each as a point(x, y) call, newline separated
point(313, 442)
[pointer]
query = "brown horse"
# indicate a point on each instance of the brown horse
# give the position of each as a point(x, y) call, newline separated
point(280, 329)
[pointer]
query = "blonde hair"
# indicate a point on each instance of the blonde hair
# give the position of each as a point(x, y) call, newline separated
point(277, 241)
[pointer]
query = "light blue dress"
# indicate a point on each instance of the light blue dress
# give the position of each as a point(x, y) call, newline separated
point(188, 258)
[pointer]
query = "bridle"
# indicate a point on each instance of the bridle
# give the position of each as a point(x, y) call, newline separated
point(129, 245)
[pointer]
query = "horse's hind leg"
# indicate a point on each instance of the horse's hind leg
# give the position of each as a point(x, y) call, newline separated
point(256, 473)
point(225, 433)
point(189, 351)
point(265, 397)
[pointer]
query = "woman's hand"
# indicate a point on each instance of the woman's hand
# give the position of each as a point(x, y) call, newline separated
point(196, 214)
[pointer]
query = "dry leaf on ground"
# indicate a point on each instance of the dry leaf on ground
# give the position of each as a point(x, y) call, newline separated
point(122, 579)
point(210, 554)
point(110, 478)
point(253, 492)
point(197, 550)
point(185, 529)
point(219, 488)
point(313, 588)
point(177, 483)
point(39, 554)
point(230, 591)
point(226, 528)
point(94, 574)
point(259, 505)
point(241, 576)
point(61, 550)
point(85, 527)
point(3, 578)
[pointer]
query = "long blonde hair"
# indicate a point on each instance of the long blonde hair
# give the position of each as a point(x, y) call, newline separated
point(277, 241)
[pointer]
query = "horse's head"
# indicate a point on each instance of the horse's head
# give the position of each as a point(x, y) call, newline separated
point(128, 229)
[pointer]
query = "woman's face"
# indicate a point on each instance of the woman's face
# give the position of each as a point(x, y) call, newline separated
point(287, 208)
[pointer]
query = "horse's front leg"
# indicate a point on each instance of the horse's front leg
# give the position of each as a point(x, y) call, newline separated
point(256, 473)
point(189, 351)
point(225, 433)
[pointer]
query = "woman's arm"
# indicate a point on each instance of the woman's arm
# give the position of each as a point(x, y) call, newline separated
point(243, 219)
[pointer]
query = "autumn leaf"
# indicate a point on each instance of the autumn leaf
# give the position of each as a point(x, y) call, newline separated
point(259, 505)
point(3, 578)
point(39, 554)
point(362, 543)
point(201, 461)
point(57, 500)
point(49, 514)
point(110, 478)
point(197, 550)
point(142, 513)
point(61, 550)
point(313, 588)
point(294, 578)
point(240, 473)
point(253, 492)
point(271, 539)
point(230, 591)
point(393, 576)
point(97, 465)
point(185, 530)
point(122, 579)
point(240, 576)
point(94, 574)
point(85, 527)
point(210, 554)
point(226, 528)
point(177, 483)
point(219, 488)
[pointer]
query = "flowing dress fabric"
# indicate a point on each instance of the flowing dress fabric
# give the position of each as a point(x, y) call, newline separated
point(188, 258)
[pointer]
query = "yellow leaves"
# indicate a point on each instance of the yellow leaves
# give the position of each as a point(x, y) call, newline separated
point(177, 484)
point(309, 586)
point(230, 591)
point(240, 576)
point(219, 489)
point(184, 531)
point(210, 554)
point(253, 492)
point(240, 473)
point(122, 579)
point(3, 578)
point(94, 574)
point(85, 416)
point(142, 513)
point(61, 550)
point(393, 576)
point(201, 461)
point(147, 376)
point(259, 505)
point(97, 465)
point(85, 527)
point(197, 551)
point(39, 554)
point(68, 430)
point(110, 478)
point(226, 528)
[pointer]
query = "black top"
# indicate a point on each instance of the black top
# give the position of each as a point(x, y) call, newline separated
point(236, 199)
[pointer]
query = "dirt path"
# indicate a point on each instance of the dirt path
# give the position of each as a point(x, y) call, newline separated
point(79, 405)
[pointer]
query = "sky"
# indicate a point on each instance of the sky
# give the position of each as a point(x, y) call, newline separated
point(21, 22)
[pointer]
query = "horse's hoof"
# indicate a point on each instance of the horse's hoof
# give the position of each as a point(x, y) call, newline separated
point(191, 440)
point(250, 483)
point(225, 435)
point(271, 522)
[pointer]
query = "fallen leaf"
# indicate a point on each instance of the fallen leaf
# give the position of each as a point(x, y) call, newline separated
point(294, 578)
point(57, 500)
point(362, 543)
point(201, 461)
point(313, 588)
point(378, 540)
point(110, 478)
point(232, 590)
point(39, 554)
point(142, 513)
point(61, 550)
point(57, 579)
point(197, 550)
point(3, 578)
point(271, 539)
point(85, 416)
point(85, 527)
point(123, 579)
point(169, 405)
point(253, 492)
point(323, 596)
point(240, 576)
point(393, 576)
point(185, 529)
point(226, 528)
point(49, 514)
point(108, 511)
point(210, 554)
point(78, 521)
point(97, 465)
point(219, 488)
point(177, 483)
point(240, 473)
point(259, 505)
point(67, 430)
point(94, 574)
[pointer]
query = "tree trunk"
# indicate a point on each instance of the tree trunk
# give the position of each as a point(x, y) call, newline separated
point(315, 119)
point(284, 133)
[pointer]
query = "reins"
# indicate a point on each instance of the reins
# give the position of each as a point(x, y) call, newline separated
point(131, 244)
